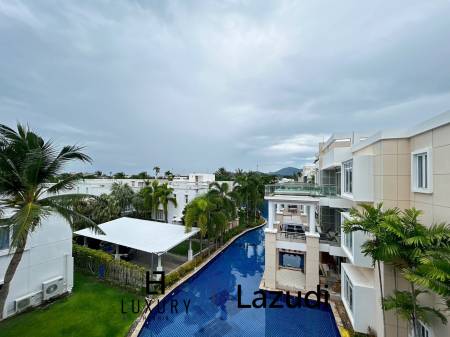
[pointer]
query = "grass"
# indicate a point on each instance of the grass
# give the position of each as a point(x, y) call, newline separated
point(183, 247)
point(93, 309)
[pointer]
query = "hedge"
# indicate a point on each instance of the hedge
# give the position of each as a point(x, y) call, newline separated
point(104, 266)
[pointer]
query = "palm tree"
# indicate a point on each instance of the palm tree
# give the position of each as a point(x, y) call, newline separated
point(381, 246)
point(408, 307)
point(119, 175)
point(168, 175)
point(197, 214)
point(123, 193)
point(156, 169)
point(151, 197)
point(228, 198)
point(105, 208)
point(165, 197)
point(27, 165)
point(423, 255)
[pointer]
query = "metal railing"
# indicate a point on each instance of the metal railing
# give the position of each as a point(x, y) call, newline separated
point(295, 188)
point(291, 236)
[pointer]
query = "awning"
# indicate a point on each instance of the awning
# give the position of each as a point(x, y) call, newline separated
point(144, 235)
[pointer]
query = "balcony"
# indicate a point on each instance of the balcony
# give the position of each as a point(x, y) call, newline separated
point(295, 188)
point(291, 236)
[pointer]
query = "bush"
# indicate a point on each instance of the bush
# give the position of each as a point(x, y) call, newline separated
point(104, 266)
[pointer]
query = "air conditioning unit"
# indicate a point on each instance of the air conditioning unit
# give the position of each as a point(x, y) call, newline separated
point(52, 288)
point(20, 304)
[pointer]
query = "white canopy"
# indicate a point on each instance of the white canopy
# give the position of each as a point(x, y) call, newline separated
point(148, 236)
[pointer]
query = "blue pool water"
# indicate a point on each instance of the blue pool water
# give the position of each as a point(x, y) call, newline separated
point(213, 309)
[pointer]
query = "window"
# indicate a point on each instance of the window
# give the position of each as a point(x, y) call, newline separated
point(296, 261)
point(421, 171)
point(348, 292)
point(424, 331)
point(4, 237)
point(186, 198)
point(140, 184)
point(347, 168)
point(348, 241)
point(160, 214)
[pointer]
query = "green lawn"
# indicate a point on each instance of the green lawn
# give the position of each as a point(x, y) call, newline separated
point(182, 248)
point(93, 309)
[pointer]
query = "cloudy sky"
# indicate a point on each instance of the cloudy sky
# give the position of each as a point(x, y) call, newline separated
point(194, 85)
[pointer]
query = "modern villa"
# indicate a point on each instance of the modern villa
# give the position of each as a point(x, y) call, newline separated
point(304, 243)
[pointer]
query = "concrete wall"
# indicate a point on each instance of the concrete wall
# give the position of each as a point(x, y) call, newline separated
point(48, 255)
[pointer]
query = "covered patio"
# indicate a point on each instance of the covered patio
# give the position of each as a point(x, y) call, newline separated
point(148, 238)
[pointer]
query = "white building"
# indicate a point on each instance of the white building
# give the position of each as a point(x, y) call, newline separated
point(185, 190)
point(404, 169)
point(46, 268)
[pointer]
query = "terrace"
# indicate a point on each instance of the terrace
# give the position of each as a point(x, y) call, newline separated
point(301, 189)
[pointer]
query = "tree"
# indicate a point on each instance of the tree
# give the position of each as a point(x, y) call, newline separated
point(165, 197)
point(123, 194)
point(422, 253)
point(380, 247)
point(27, 165)
point(151, 196)
point(105, 208)
point(407, 306)
point(168, 175)
point(98, 174)
point(197, 214)
point(228, 198)
point(156, 169)
point(222, 174)
point(141, 175)
point(119, 175)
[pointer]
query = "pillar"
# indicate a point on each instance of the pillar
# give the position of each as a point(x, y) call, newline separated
point(312, 218)
point(190, 255)
point(272, 212)
point(117, 255)
point(312, 260)
point(271, 259)
point(85, 241)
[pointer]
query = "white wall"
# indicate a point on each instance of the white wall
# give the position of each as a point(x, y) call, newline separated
point(48, 255)
point(363, 178)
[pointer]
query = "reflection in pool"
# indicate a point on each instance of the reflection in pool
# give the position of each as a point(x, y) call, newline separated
point(213, 309)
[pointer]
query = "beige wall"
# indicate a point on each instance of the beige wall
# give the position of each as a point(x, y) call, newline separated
point(392, 186)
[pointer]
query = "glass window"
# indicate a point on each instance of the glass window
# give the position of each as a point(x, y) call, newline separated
point(348, 240)
point(424, 331)
point(4, 237)
point(348, 176)
point(421, 170)
point(348, 292)
point(289, 260)
point(186, 198)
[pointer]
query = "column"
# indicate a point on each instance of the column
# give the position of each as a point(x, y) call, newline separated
point(159, 267)
point(85, 241)
point(312, 218)
point(190, 255)
point(312, 261)
point(117, 255)
point(272, 211)
point(271, 259)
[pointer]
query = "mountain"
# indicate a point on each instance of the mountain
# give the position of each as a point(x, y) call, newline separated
point(286, 171)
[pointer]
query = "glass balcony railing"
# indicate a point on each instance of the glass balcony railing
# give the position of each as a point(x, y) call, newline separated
point(295, 188)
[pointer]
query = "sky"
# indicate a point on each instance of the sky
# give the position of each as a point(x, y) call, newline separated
point(191, 86)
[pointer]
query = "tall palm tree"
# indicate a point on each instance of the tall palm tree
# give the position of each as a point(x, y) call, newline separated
point(420, 250)
point(151, 197)
point(380, 246)
point(27, 165)
point(228, 198)
point(197, 214)
point(165, 197)
point(156, 169)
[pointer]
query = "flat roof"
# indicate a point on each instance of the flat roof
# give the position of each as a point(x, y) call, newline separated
point(145, 235)
point(292, 198)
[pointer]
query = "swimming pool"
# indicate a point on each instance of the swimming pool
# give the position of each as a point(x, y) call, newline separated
point(213, 308)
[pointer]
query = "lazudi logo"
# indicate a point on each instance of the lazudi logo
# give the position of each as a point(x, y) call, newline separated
point(136, 306)
point(273, 299)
